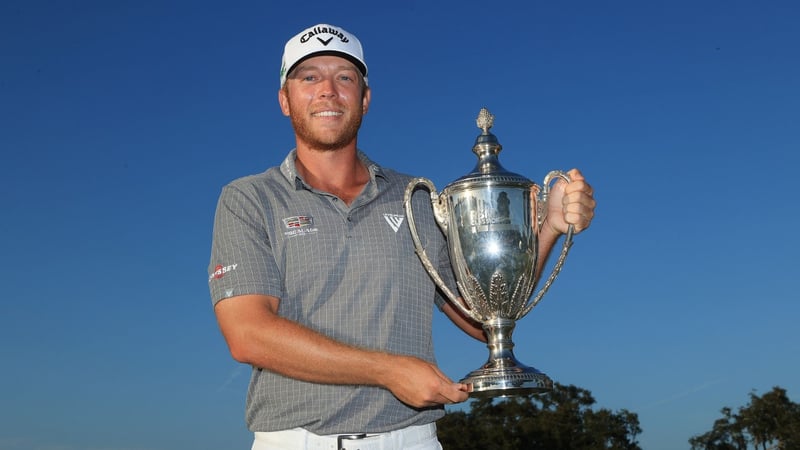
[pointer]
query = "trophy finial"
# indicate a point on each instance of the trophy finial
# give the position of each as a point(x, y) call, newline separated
point(485, 120)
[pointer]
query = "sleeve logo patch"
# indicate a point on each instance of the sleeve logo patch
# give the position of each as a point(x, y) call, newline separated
point(220, 271)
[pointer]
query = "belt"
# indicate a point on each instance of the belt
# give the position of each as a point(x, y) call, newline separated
point(301, 439)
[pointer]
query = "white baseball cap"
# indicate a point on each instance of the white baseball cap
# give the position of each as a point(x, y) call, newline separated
point(322, 39)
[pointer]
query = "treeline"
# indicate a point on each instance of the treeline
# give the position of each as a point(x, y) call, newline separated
point(767, 422)
point(562, 419)
point(566, 419)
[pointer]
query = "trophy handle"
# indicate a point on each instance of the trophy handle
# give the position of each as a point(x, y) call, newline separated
point(541, 215)
point(440, 214)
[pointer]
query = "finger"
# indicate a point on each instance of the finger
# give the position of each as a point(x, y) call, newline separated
point(580, 219)
point(559, 185)
point(451, 392)
point(575, 175)
point(581, 196)
point(456, 394)
point(583, 208)
point(579, 186)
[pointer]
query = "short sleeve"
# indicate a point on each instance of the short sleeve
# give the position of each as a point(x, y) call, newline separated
point(242, 260)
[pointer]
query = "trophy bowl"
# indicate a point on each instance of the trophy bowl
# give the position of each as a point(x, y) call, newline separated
point(491, 218)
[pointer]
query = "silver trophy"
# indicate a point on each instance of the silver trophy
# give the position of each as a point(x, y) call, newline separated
point(491, 218)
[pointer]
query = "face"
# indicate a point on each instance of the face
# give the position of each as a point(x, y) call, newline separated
point(326, 100)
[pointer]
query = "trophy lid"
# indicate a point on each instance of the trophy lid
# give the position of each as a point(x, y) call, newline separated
point(486, 148)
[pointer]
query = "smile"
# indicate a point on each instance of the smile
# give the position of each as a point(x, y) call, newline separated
point(327, 114)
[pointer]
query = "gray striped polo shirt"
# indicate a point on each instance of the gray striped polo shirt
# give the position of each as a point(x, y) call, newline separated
point(349, 272)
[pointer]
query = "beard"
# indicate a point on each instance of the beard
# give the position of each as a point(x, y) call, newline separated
point(326, 139)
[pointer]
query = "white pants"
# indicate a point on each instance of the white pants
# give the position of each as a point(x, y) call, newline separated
point(421, 437)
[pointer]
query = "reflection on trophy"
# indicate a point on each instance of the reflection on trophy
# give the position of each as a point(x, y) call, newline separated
point(491, 218)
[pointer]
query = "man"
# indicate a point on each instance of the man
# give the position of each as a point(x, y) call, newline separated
point(319, 293)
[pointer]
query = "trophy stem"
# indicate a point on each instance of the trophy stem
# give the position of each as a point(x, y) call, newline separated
point(503, 375)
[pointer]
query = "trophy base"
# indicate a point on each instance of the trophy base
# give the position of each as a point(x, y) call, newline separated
point(508, 381)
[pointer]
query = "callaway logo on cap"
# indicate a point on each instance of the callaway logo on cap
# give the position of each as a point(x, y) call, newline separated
point(322, 39)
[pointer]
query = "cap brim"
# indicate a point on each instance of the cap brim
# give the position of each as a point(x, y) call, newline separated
point(359, 65)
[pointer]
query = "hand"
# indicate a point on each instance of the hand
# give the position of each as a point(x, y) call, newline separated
point(421, 384)
point(570, 203)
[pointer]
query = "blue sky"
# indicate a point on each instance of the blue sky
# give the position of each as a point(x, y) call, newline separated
point(121, 121)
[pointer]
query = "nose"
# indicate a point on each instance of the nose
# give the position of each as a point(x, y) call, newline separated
point(327, 88)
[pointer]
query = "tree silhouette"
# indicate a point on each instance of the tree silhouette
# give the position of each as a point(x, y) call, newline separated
point(560, 419)
point(769, 422)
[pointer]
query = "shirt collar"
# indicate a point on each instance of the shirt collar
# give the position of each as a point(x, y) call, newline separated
point(289, 169)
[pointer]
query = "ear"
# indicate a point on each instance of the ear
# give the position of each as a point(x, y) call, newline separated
point(366, 99)
point(283, 100)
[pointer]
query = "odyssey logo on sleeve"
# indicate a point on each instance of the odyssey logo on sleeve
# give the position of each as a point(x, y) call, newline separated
point(220, 271)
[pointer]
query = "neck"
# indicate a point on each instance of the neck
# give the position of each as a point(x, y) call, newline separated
point(337, 172)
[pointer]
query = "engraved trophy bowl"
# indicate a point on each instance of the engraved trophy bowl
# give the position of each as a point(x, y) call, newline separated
point(491, 218)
